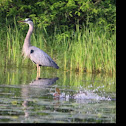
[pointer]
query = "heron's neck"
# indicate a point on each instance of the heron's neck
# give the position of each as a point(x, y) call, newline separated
point(27, 42)
point(28, 36)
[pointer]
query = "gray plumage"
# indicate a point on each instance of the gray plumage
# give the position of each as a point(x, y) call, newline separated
point(35, 54)
point(40, 57)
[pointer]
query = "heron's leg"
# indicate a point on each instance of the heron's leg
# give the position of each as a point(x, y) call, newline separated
point(39, 71)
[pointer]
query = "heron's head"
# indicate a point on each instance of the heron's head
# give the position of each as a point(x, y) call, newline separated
point(28, 21)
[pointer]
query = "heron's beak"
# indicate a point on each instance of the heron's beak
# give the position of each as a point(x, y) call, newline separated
point(21, 21)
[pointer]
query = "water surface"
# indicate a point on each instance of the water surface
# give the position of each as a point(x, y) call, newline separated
point(57, 97)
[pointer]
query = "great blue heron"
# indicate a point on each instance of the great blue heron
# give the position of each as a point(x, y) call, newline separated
point(37, 56)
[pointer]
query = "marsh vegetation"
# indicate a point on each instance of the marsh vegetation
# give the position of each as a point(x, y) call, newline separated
point(83, 40)
point(88, 49)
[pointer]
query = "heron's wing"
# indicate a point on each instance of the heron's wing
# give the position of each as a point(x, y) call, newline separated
point(40, 57)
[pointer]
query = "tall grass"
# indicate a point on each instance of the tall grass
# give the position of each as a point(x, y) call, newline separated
point(90, 49)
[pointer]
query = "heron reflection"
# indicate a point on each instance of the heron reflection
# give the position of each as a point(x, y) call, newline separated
point(44, 81)
point(35, 88)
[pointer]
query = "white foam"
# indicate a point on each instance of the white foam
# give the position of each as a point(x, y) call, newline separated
point(89, 96)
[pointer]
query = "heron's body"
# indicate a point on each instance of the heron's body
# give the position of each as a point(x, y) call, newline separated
point(39, 57)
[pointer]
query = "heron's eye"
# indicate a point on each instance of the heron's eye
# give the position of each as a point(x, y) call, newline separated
point(31, 51)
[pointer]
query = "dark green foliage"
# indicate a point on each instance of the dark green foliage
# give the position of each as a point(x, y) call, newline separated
point(60, 13)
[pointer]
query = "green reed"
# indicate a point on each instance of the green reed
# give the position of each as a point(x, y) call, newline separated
point(90, 49)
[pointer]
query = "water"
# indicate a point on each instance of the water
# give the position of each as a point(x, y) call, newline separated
point(57, 97)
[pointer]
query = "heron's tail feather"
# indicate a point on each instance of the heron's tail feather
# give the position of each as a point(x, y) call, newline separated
point(55, 65)
point(52, 63)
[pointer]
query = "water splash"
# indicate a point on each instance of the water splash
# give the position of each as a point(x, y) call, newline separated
point(81, 95)
point(87, 95)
